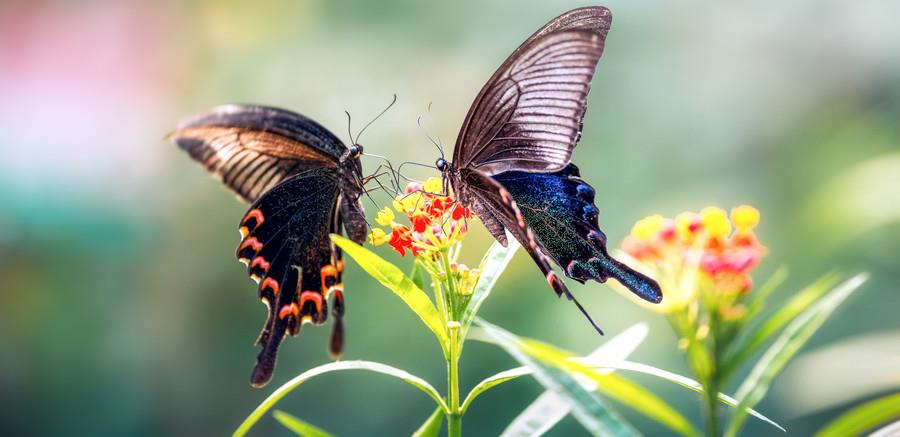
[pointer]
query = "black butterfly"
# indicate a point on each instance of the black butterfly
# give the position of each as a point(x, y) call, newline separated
point(512, 161)
point(303, 183)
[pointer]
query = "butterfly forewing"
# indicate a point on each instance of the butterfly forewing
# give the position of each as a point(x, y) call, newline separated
point(253, 148)
point(596, 19)
point(529, 114)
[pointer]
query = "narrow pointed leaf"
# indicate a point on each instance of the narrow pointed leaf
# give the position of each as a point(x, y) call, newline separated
point(761, 295)
point(785, 347)
point(299, 427)
point(549, 408)
point(864, 418)
point(432, 425)
point(591, 411)
point(370, 366)
point(616, 387)
point(493, 264)
point(759, 336)
point(419, 276)
point(393, 278)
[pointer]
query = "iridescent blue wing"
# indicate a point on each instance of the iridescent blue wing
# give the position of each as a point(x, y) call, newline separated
point(498, 209)
point(559, 208)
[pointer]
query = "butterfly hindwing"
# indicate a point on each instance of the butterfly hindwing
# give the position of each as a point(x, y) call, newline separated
point(559, 207)
point(252, 148)
point(492, 203)
point(286, 247)
point(487, 195)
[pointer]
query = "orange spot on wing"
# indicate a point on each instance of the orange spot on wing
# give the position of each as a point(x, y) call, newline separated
point(288, 310)
point(261, 262)
point(552, 279)
point(244, 231)
point(251, 242)
point(254, 213)
point(270, 283)
point(328, 272)
point(313, 296)
point(340, 265)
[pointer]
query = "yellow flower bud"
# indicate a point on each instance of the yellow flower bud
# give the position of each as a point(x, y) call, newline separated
point(384, 217)
point(715, 221)
point(647, 227)
point(433, 185)
point(683, 224)
point(398, 206)
point(745, 218)
point(377, 237)
point(411, 202)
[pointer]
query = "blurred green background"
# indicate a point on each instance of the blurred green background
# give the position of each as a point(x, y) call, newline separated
point(123, 312)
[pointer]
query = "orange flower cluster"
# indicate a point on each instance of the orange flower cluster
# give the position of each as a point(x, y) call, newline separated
point(724, 251)
point(436, 221)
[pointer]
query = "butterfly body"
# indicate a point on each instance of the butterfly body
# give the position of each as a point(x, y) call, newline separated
point(302, 183)
point(512, 161)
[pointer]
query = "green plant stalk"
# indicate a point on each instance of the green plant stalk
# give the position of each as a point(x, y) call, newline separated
point(454, 418)
point(713, 384)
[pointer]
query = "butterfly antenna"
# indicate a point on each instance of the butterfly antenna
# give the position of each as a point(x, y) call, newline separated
point(394, 100)
point(400, 168)
point(349, 130)
point(395, 174)
point(584, 311)
point(436, 144)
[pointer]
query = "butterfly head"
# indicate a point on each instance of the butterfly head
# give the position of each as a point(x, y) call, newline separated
point(442, 165)
point(356, 150)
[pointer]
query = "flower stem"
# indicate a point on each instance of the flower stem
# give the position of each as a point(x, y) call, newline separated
point(454, 419)
point(711, 408)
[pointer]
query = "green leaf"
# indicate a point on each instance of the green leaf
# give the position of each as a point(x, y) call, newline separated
point(393, 278)
point(492, 265)
point(616, 387)
point(592, 412)
point(761, 295)
point(759, 336)
point(432, 425)
point(549, 408)
point(671, 377)
point(299, 427)
point(863, 418)
point(418, 275)
point(370, 366)
point(794, 336)
point(601, 362)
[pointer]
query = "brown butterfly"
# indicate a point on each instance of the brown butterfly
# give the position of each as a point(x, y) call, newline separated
point(302, 183)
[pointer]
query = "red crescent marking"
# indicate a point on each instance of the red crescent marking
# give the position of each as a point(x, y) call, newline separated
point(261, 262)
point(288, 310)
point(270, 283)
point(313, 296)
point(551, 278)
point(328, 271)
point(251, 242)
point(340, 265)
point(254, 213)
